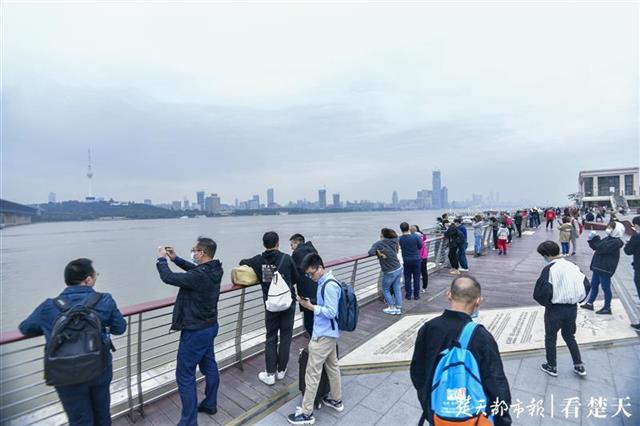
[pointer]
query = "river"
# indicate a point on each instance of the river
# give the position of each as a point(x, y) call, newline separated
point(34, 256)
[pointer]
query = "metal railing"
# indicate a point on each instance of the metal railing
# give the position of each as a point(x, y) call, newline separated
point(144, 363)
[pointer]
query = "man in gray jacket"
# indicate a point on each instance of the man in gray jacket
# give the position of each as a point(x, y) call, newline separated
point(386, 248)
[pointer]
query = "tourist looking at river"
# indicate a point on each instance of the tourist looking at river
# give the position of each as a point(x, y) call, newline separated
point(279, 325)
point(195, 315)
point(477, 235)
point(410, 245)
point(85, 402)
point(606, 255)
point(495, 225)
point(424, 256)
point(632, 248)
point(462, 248)
point(386, 249)
point(306, 287)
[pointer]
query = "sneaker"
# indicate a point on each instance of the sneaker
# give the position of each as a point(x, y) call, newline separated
point(579, 370)
point(416, 297)
point(266, 378)
point(299, 418)
point(336, 405)
point(389, 310)
point(463, 269)
point(500, 253)
point(552, 371)
point(636, 326)
point(573, 254)
point(398, 311)
point(604, 311)
point(587, 305)
point(407, 297)
point(423, 290)
point(280, 374)
point(207, 410)
point(454, 272)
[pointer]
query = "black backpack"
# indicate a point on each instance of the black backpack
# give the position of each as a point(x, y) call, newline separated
point(75, 352)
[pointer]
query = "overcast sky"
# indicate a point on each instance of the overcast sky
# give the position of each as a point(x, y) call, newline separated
point(362, 98)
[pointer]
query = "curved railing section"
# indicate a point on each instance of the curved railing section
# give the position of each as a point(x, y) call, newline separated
point(144, 363)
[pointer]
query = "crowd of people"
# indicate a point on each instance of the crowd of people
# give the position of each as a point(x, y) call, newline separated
point(560, 288)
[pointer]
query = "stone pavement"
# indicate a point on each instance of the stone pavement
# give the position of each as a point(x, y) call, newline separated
point(612, 373)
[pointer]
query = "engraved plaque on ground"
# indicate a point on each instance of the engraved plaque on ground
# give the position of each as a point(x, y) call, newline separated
point(515, 329)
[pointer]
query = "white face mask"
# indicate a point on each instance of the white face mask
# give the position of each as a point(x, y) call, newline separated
point(608, 231)
point(193, 258)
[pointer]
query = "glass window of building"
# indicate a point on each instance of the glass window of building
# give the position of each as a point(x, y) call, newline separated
point(628, 185)
point(588, 186)
point(605, 183)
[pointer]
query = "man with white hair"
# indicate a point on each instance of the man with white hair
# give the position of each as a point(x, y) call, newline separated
point(604, 263)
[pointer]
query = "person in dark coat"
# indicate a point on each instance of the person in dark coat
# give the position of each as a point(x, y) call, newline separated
point(279, 325)
point(306, 286)
point(517, 219)
point(195, 315)
point(495, 225)
point(632, 248)
point(604, 263)
point(439, 334)
point(455, 240)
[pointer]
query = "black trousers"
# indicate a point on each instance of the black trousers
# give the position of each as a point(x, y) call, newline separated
point(277, 350)
point(495, 238)
point(453, 257)
point(636, 280)
point(519, 228)
point(424, 273)
point(561, 318)
point(549, 223)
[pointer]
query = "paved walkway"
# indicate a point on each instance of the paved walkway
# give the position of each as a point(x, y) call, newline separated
point(390, 399)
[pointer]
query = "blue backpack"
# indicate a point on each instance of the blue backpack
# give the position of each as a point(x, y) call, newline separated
point(456, 392)
point(347, 317)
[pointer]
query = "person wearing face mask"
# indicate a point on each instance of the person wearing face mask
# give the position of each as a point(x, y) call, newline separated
point(604, 263)
point(195, 315)
point(85, 403)
point(439, 334)
point(632, 248)
point(560, 287)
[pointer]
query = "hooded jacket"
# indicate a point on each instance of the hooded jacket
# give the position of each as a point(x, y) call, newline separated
point(388, 254)
point(633, 249)
point(607, 254)
point(196, 305)
point(565, 232)
point(287, 269)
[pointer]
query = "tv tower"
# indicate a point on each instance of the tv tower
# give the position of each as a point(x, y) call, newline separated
point(90, 176)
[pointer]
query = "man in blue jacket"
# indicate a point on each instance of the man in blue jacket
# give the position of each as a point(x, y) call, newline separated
point(86, 403)
point(195, 314)
point(323, 349)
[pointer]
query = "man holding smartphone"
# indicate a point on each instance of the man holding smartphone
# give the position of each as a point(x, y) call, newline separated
point(195, 314)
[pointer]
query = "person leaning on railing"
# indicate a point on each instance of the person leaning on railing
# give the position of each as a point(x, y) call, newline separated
point(85, 403)
point(195, 314)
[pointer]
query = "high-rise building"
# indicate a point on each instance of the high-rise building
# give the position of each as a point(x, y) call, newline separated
point(185, 204)
point(52, 197)
point(270, 198)
point(212, 203)
point(147, 202)
point(200, 199)
point(176, 205)
point(336, 201)
point(322, 198)
point(436, 197)
point(424, 199)
point(444, 193)
point(394, 199)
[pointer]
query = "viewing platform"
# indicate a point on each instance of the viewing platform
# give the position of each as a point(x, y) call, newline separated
point(373, 392)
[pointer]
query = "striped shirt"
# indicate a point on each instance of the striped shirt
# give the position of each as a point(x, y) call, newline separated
point(567, 281)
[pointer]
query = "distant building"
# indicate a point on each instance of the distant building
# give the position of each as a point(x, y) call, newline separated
point(270, 198)
point(424, 199)
point(436, 194)
point(185, 204)
point(394, 199)
point(12, 214)
point(322, 198)
point(212, 203)
point(52, 197)
point(200, 199)
point(148, 202)
point(476, 199)
point(444, 198)
point(617, 188)
point(336, 201)
point(176, 205)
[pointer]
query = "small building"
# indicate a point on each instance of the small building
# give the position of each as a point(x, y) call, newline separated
point(611, 188)
point(12, 214)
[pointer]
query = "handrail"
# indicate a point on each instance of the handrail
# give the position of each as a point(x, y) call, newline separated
point(15, 335)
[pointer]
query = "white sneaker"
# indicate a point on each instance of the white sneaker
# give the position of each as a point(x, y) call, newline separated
point(389, 310)
point(463, 270)
point(423, 291)
point(267, 379)
point(397, 311)
point(280, 374)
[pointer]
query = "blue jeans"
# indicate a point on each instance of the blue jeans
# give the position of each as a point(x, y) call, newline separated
point(392, 280)
point(565, 248)
point(462, 256)
point(196, 348)
point(478, 244)
point(597, 279)
point(412, 271)
point(88, 404)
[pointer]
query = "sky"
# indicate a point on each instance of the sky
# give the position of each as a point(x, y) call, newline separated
point(360, 98)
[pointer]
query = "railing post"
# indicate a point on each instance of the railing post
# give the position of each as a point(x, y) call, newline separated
point(238, 341)
point(353, 273)
point(139, 359)
point(380, 275)
point(129, 396)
